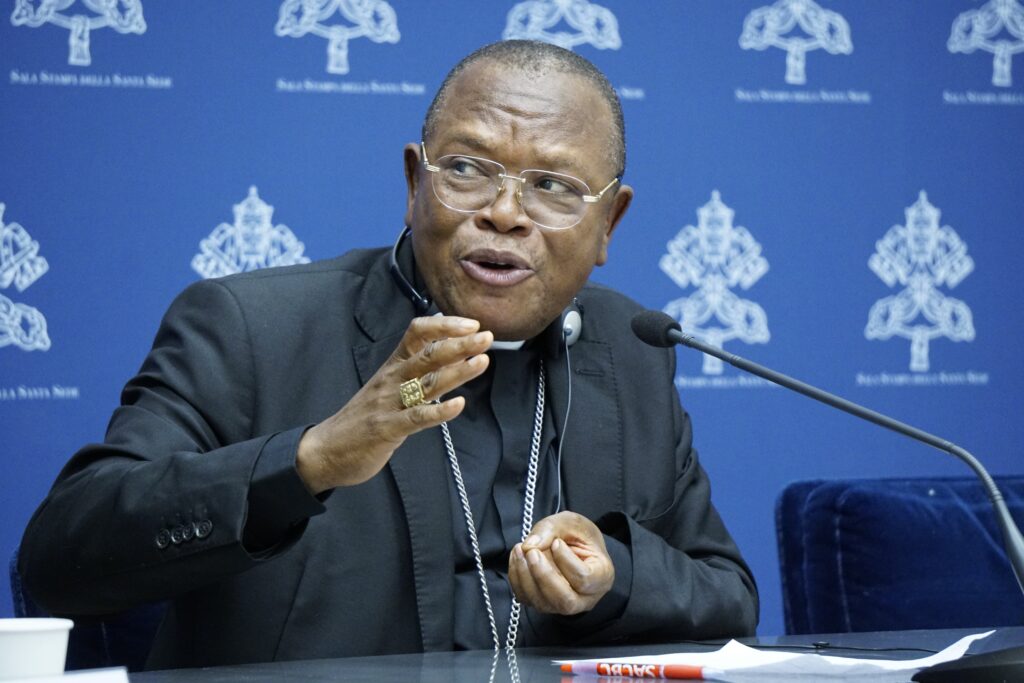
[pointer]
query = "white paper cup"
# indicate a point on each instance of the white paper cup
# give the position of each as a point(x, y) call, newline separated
point(33, 647)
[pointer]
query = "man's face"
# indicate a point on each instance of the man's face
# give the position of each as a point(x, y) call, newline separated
point(496, 265)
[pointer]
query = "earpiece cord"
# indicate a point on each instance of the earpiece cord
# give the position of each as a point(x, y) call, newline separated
point(420, 303)
point(565, 422)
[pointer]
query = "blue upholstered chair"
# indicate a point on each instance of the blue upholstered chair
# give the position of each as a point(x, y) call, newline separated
point(876, 555)
point(120, 639)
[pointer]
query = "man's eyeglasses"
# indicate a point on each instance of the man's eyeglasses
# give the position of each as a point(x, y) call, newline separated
point(552, 200)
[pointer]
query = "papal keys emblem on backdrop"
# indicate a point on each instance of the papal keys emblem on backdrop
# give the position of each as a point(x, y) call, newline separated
point(20, 265)
point(920, 257)
point(252, 242)
point(996, 27)
point(797, 27)
point(124, 16)
point(714, 257)
point(547, 21)
point(373, 19)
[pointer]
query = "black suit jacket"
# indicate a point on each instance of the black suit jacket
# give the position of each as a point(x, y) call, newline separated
point(239, 368)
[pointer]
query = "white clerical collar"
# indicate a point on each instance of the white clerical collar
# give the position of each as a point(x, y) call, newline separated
point(507, 345)
point(500, 345)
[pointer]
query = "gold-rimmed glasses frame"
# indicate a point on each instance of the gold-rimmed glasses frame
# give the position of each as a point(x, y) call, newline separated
point(551, 210)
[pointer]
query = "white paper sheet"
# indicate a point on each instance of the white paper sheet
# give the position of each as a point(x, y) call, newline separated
point(738, 663)
point(113, 675)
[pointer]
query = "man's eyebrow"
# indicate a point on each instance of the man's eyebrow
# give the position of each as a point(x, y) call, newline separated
point(474, 143)
point(555, 161)
point(549, 160)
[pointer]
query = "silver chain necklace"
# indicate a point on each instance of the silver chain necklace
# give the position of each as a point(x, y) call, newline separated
point(528, 498)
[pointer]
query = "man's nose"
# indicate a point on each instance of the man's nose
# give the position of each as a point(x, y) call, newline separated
point(505, 213)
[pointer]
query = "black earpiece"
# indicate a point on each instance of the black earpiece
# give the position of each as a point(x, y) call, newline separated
point(420, 302)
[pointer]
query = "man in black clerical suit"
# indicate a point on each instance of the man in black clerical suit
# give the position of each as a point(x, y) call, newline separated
point(299, 462)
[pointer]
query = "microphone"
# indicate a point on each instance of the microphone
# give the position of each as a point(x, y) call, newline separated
point(656, 328)
point(660, 329)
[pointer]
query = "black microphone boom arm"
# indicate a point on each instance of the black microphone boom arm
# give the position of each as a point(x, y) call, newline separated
point(645, 326)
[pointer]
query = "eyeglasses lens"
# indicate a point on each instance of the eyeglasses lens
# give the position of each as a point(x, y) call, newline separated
point(468, 184)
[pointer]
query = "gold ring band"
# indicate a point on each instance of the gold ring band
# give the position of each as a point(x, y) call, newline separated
point(411, 392)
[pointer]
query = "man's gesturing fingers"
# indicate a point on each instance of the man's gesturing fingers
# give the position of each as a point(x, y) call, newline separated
point(584, 577)
point(435, 356)
point(425, 331)
point(563, 567)
point(537, 583)
point(438, 354)
point(446, 365)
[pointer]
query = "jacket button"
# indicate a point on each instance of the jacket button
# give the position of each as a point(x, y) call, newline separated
point(203, 528)
point(163, 539)
point(177, 535)
point(188, 532)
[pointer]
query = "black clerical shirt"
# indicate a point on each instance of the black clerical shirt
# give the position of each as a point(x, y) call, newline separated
point(492, 439)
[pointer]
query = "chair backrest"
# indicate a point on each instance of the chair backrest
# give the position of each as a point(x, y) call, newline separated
point(121, 639)
point(889, 554)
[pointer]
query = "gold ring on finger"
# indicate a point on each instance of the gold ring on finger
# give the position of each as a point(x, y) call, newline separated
point(411, 392)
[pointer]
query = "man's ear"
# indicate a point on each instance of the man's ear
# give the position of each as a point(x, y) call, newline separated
point(620, 202)
point(411, 158)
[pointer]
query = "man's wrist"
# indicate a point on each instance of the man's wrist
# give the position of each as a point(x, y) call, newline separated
point(309, 462)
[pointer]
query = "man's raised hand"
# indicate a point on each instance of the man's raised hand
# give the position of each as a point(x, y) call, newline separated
point(443, 353)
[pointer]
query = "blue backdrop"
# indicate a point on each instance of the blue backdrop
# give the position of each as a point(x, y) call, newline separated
point(833, 189)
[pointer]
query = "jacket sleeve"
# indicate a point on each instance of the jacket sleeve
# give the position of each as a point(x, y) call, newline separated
point(161, 507)
point(687, 579)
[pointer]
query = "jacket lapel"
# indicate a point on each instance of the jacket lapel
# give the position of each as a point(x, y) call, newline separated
point(418, 467)
point(591, 456)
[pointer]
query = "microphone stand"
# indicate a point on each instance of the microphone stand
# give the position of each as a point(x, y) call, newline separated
point(999, 665)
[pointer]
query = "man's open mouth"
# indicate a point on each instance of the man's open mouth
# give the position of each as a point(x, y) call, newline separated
point(496, 268)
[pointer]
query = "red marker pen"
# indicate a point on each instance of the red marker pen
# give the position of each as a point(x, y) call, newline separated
point(682, 672)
